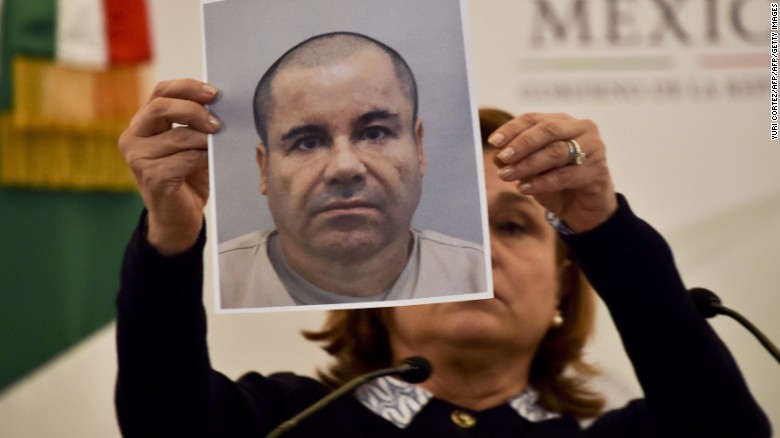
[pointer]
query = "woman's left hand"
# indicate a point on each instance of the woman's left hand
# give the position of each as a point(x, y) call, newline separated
point(561, 162)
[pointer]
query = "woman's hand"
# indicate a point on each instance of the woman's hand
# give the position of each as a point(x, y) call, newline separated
point(540, 152)
point(170, 162)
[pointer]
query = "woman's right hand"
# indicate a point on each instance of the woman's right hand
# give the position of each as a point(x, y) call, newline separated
point(170, 162)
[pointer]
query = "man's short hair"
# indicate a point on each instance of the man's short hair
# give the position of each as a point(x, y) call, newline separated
point(325, 49)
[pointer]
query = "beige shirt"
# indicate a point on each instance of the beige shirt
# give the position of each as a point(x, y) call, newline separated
point(253, 273)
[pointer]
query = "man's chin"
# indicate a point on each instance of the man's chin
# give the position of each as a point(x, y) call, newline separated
point(349, 245)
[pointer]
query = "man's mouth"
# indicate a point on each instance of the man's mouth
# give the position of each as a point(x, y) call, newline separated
point(347, 207)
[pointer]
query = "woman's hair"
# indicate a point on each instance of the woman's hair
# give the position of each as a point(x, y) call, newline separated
point(358, 339)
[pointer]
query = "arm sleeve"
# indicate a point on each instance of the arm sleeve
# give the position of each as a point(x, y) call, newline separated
point(691, 382)
point(165, 384)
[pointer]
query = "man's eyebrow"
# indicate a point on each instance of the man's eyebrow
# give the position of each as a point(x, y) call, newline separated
point(296, 131)
point(378, 115)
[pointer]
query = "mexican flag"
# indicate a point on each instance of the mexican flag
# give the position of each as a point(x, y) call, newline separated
point(72, 73)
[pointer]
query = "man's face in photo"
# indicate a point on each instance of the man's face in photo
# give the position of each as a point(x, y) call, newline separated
point(343, 165)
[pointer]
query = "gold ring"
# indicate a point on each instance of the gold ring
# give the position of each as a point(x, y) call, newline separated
point(576, 156)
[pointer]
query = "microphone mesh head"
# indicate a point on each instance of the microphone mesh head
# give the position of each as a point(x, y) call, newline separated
point(418, 369)
point(706, 301)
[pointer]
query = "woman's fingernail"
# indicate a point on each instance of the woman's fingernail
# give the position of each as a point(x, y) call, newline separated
point(506, 154)
point(505, 172)
point(496, 139)
point(525, 187)
point(213, 121)
point(210, 89)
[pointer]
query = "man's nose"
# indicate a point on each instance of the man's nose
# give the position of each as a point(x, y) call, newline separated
point(345, 164)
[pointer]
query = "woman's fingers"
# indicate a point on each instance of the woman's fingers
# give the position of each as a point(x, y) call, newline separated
point(166, 148)
point(161, 113)
point(559, 160)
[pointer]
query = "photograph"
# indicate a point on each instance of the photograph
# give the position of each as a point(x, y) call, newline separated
point(347, 173)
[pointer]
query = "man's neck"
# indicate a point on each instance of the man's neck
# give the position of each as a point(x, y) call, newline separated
point(351, 276)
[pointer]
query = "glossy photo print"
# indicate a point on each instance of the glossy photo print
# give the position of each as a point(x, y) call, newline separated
point(348, 171)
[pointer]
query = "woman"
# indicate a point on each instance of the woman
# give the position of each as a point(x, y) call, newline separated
point(498, 363)
point(557, 309)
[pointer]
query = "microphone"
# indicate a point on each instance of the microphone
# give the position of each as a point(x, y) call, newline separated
point(414, 369)
point(706, 301)
point(710, 305)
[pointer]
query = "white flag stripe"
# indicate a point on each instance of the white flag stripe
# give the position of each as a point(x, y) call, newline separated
point(81, 33)
point(71, 396)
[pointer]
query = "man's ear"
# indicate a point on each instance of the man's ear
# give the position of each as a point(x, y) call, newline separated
point(261, 156)
point(418, 136)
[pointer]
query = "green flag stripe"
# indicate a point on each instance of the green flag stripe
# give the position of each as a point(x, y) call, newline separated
point(59, 270)
point(29, 28)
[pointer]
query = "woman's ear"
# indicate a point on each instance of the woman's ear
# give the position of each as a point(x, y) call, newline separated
point(569, 278)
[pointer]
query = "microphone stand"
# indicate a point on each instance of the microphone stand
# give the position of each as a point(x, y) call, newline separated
point(770, 347)
point(413, 369)
point(710, 305)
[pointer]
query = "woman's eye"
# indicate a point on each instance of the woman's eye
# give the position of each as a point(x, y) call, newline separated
point(511, 228)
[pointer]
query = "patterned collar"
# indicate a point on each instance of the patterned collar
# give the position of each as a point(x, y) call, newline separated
point(399, 402)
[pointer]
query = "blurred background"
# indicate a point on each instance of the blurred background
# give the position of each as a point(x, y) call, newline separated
point(681, 95)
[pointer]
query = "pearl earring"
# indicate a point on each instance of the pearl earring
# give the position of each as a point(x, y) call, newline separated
point(557, 320)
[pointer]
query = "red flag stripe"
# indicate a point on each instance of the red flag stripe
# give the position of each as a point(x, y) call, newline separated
point(127, 29)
